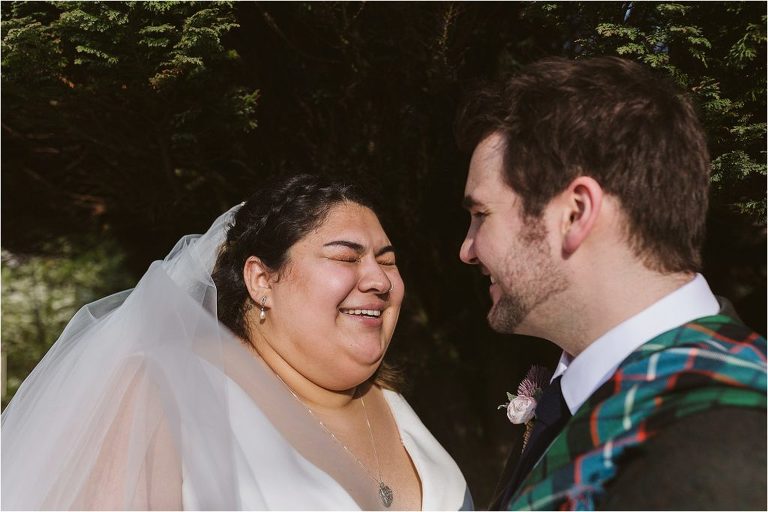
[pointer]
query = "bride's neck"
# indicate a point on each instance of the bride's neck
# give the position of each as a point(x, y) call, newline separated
point(315, 397)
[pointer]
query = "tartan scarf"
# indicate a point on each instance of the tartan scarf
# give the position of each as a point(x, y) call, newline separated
point(707, 363)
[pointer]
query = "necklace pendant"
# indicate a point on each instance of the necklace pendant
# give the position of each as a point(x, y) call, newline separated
point(386, 494)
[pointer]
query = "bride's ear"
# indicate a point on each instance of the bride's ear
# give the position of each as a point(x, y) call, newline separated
point(257, 279)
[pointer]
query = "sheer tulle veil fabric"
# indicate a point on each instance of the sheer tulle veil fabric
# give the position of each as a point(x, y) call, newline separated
point(131, 406)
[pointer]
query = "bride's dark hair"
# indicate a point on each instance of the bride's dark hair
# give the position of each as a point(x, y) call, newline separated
point(280, 214)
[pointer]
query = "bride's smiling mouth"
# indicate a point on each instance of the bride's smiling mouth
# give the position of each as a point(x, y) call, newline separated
point(367, 314)
point(370, 313)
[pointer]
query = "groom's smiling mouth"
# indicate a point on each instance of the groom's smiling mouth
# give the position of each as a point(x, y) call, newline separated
point(493, 287)
point(485, 272)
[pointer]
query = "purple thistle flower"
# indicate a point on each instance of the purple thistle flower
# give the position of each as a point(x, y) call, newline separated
point(535, 380)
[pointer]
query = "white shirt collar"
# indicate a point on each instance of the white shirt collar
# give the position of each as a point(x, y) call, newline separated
point(598, 362)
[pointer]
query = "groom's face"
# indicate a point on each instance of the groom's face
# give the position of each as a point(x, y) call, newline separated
point(514, 251)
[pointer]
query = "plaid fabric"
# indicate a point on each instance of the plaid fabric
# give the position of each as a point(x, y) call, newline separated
point(710, 362)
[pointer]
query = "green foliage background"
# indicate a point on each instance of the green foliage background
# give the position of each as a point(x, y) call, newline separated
point(128, 124)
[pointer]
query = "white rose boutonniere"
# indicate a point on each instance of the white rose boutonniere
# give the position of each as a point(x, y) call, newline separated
point(521, 408)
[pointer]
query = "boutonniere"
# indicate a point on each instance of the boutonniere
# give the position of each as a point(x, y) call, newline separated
point(521, 408)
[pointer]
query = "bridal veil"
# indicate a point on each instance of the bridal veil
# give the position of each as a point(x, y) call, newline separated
point(130, 408)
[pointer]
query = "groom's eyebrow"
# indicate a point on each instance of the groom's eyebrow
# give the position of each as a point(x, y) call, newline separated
point(469, 202)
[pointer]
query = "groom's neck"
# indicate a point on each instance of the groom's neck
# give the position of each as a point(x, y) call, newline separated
point(601, 297)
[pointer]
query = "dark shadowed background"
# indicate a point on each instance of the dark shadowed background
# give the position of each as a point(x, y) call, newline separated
point(125, 126)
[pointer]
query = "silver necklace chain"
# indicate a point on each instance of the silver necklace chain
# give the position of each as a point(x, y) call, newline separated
point(385, 491)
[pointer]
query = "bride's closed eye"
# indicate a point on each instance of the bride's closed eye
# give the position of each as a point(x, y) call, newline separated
point(346, 259)
point(343, 254)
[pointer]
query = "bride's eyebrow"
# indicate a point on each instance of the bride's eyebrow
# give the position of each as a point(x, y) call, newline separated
point(359, 248)
point(384, 250)
point(346, 243)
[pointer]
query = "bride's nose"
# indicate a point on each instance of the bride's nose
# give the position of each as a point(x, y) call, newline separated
point(374, 279)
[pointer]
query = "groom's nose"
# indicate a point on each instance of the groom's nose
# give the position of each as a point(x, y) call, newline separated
point(467, 251)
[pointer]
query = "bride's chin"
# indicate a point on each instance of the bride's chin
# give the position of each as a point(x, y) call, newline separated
point(349, 378)
point(367, 351)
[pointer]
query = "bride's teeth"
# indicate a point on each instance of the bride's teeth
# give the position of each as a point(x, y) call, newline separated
point(360, 312)
point(493, 281)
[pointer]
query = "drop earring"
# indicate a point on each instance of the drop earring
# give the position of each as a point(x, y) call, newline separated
point(263, 312)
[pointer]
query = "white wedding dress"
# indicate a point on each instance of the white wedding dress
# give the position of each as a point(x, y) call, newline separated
point(310, 488)
point(147, 402)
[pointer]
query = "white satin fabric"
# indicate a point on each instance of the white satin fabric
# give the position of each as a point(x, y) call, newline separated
point(147, 402)
point(310, 488)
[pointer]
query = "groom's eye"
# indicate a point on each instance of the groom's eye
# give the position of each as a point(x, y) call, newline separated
point(479, 215)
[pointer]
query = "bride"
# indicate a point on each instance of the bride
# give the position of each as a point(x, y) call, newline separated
point(242, 372)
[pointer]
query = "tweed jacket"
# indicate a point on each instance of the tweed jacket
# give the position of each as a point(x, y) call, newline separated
point(705, 364)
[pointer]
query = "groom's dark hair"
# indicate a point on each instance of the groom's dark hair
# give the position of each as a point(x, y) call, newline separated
point(614, 120)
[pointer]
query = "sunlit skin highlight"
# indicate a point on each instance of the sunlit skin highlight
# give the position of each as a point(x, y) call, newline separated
point(309, 336)
point(330, 316)
point(515, 251)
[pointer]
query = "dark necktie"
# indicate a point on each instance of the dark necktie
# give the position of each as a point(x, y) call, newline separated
point(551, 416)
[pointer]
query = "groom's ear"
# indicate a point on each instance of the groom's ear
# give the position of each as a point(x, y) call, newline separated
point(581, 203)
point(258, 278)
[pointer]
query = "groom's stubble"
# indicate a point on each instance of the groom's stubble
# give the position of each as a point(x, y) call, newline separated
point(531, 277)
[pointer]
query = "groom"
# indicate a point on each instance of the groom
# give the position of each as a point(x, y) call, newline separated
point(588, 189)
